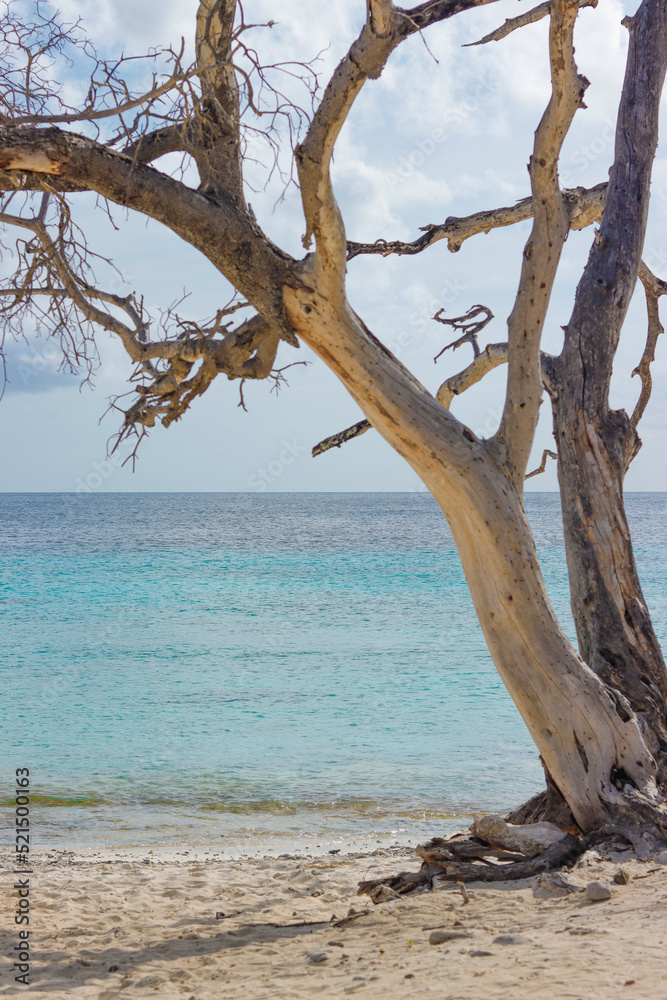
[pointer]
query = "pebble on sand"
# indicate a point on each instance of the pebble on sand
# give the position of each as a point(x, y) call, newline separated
point(596, 892)
point(439, 937)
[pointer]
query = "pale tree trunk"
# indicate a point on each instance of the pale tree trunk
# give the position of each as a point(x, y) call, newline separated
point(588, 736)
point(584, 736)
point(597, 718)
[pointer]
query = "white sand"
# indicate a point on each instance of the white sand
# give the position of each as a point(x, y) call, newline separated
point(201, 928)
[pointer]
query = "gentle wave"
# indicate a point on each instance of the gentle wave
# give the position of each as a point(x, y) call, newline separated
point(360, 807)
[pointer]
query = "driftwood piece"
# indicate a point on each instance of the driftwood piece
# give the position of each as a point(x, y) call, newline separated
point(437, 867)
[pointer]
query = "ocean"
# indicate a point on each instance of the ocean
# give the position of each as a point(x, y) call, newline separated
point(245, 669)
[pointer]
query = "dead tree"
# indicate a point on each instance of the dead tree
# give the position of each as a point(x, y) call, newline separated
point(596, 714)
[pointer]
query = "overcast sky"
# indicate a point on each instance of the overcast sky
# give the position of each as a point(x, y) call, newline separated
point(447, 130)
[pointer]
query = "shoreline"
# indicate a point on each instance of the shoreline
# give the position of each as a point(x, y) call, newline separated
point(138, 830)
point(107, 924)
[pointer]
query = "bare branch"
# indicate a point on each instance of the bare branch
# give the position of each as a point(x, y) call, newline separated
point(433, 11)
point(551, 224)
point(336, 440)
point(366, 58)
point(148, 147)
point(585, 206)
point(543, 464)
point(226, 234)
point(218, 151)
point(386, 26)
point(43, 263)
point(172, 371)
point(92, 114)
point(654, 287)
point(529, 17)
point(491, 357)
point(485, 361)
point(585, 366)
point(247, 352)
point(466, 323)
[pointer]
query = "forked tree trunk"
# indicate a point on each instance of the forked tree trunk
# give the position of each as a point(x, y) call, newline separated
point(589, 742)
point(599, 725)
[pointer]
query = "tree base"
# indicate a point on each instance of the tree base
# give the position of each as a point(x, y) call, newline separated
point(632, 818)
point(548, 806)
point(452, 861)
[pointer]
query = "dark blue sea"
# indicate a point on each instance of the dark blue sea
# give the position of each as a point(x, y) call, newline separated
point(246, 668)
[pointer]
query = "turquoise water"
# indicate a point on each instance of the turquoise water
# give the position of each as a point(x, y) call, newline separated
point(186, 667)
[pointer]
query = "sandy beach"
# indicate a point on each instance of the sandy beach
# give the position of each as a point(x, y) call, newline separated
point(190, 926)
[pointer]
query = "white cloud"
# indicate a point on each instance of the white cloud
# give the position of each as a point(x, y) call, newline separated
point(444, 132)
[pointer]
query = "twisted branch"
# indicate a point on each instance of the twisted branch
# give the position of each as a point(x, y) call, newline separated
point(468, 325)
point(543, 464)
point(585, 206)
point(654, 287)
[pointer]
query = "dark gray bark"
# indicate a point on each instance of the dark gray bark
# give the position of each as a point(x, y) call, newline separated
point(596, 443)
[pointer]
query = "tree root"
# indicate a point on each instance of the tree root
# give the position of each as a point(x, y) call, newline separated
point(443, 862)
point(548, 806)
point(632, 817)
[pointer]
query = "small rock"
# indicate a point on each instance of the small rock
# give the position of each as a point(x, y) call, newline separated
point(439, 937)
point(621, 877)
point(478, 953)
point(511, 939)
point(530, 839)
point(596, 892)
point(317, 956)
point(382, 894)
point(335, 944)
point(661, 858)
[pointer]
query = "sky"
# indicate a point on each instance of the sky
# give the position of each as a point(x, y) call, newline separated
point(446, 131)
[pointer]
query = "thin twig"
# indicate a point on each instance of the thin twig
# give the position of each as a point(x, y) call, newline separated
point(336, 440)
point(529, 17)
point(543, 464)
point(654, 287)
